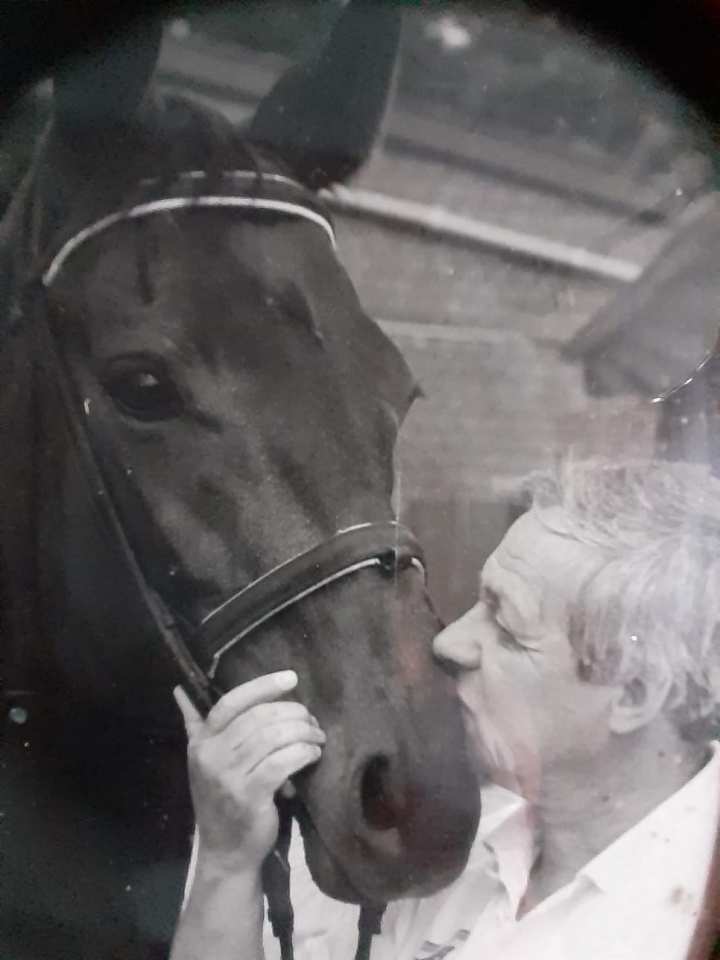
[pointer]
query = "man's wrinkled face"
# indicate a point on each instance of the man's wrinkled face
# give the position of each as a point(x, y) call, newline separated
point(527, 710)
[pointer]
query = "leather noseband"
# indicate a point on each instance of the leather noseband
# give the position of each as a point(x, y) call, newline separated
point(389, 546)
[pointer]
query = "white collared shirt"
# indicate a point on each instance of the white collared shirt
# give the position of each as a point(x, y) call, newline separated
point(639, 898)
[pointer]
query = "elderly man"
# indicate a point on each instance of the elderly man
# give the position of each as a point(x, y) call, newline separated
point(590, 673)
point(590, 669)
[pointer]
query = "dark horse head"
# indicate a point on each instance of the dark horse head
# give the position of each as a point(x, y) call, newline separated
point(241, 408)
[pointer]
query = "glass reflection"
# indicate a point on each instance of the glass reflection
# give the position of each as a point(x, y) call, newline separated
point(531, 223)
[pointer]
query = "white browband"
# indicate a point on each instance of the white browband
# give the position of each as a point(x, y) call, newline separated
point(250, 175)
point(287, 207)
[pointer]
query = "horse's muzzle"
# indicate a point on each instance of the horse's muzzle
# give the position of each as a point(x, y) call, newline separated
point(402, 824)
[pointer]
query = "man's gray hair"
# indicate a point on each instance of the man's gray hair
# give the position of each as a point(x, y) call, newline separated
point(653, 607)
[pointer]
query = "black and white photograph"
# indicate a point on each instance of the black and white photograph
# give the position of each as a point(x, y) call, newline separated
point(360, 480)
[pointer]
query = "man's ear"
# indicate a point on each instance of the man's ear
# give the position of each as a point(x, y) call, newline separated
point(638, 702)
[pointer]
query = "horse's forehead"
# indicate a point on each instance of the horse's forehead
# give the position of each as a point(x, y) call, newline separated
point(200, 266)
point(184, 244)
point(229, 292)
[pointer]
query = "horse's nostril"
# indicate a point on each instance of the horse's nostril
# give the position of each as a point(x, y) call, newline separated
point(382, 808)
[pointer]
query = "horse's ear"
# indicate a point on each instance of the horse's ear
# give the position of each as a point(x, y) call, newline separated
point(107, 85)
point(323, 118)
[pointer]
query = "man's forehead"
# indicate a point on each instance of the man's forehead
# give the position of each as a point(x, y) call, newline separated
point(537, 549)
point(519, 549)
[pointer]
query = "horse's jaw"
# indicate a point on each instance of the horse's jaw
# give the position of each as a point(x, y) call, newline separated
point(324, 868)
point(373, 884)
point(333, 881)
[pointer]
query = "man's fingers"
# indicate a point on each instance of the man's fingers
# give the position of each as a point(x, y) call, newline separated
point(252, 752)
point(193, 720)
point(254, 721)
point(273, 771)
point(248, 695)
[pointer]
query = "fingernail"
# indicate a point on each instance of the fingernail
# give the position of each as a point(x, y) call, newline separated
point(286, 679)
point(314, 721)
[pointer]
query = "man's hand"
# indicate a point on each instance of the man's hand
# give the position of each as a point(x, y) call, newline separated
point(239, 756)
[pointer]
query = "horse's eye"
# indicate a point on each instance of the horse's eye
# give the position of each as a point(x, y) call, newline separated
point(143, 389)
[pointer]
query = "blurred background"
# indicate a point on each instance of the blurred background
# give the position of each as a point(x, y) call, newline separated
point(536, 231)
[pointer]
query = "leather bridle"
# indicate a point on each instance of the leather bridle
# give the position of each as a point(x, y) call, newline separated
point(386, 546)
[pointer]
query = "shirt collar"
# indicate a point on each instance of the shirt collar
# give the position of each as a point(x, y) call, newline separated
point(671, 845)
point(507, 832)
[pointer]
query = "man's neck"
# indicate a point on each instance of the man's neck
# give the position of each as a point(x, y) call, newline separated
point(582, 809)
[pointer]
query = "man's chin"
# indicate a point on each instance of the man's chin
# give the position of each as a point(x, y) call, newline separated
point(495, 760)
point(502, 767)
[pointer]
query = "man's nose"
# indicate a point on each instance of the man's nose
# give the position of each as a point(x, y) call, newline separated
point(460, 643)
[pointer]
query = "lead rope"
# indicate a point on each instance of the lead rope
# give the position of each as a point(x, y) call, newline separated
point(276, 883)
point(368, 925)
point(276, 887)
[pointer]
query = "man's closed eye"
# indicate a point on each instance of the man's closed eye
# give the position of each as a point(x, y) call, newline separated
point(507, 639)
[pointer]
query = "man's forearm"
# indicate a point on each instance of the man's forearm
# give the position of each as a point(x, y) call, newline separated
point(223, 916)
